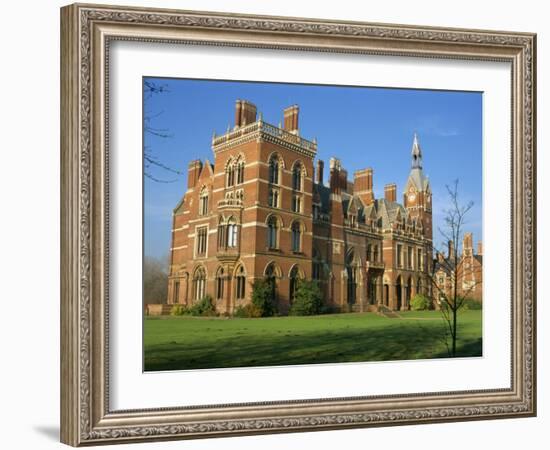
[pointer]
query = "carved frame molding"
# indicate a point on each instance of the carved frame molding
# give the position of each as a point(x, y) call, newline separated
point(86, 31)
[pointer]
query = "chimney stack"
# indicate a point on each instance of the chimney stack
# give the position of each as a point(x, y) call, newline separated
point(451, 250)
point(468, 244)
point(390, 192)
point(291, 119)
point(193, 173)
point(338, 177)
point(362, 185)
point(480, 248)
point(319, 172)
point(245, 113)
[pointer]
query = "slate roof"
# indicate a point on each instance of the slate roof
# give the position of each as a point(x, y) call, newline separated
point(324, 195)
point(418, 179)
point(381, 208)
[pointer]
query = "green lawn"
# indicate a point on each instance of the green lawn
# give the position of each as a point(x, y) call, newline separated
point(175, 343)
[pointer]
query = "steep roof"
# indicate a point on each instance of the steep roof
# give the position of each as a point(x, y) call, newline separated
point(388, 211)
point(418, 179)
point(381, 208)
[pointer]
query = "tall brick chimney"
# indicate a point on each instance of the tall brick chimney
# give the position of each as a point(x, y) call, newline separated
point(245, 113)
point(290, 116)
point(468, 244)
point(479, 248)
point(319, 171)
point(451, 249)
point(193, 173)
point(362, 185)
point(390, 192)
point(338, 177)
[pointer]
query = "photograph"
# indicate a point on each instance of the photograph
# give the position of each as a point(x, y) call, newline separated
point(288, 224)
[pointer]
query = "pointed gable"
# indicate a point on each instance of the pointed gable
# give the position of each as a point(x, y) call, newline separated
point(207, 172)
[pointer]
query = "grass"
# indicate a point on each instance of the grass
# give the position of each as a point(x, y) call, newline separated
point(176, 343)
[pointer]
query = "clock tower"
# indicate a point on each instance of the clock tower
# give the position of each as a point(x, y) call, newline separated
point(417, 197)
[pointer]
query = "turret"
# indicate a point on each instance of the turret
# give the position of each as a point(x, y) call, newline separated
point(417, 196)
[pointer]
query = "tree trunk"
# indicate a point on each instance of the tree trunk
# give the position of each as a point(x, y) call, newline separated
point(454, 332)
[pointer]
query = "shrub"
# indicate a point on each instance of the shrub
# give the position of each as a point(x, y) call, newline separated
point(263, 297)
point(420, 303)
point(330, 309)
point(204, 307)
point(308, 299)
point(471, 304)
point(248, 311)
point(178, 310)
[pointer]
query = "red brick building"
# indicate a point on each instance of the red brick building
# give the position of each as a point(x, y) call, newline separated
point(261, 210)
point(465, 268)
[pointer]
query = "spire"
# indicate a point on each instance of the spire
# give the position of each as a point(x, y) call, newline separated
point(416, 154)
point(416, 176)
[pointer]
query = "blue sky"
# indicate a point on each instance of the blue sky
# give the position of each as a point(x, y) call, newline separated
point(364, 127)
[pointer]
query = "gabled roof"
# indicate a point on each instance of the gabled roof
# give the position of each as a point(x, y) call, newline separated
point(207, 170)
point(179, 206)
point(381, 208)
point(418, 180)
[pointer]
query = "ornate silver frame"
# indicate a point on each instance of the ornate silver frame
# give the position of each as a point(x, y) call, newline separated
point(86, 31)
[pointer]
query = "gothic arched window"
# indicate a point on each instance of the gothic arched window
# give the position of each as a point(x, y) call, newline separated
point(274, 169)
point(272, 273)
point(240, 171)
point(273, 232)
point(220, 282)
point(294, 278)
point(232, 233)
point(297, 177)
point(199, 283)
point(351, 271)
point(203, 201)
point(222, 238)
point(317, 265)
point(229, 174)
point(296, 237)
point(273, 200)
point(240, 283)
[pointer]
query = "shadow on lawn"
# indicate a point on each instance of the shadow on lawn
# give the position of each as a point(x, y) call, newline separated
point(398, 342)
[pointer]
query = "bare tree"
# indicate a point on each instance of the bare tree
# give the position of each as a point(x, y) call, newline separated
point(447, 293)
point(150, 159)
point(155, 280)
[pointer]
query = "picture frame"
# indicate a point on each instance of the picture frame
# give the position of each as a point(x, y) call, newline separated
point(87, 32)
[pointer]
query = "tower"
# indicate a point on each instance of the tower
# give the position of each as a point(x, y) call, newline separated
point(417, 197)
point(467, 245)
